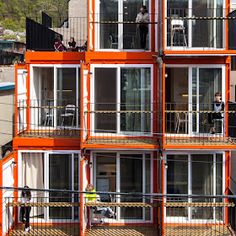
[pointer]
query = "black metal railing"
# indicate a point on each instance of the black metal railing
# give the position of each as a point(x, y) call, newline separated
point(149, 214)
point(47, 117)
point(185, 27)
point(41, 37)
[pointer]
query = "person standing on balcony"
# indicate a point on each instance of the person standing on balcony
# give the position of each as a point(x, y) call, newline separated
point(25, 210)
point(142, 21)
point(218, 107)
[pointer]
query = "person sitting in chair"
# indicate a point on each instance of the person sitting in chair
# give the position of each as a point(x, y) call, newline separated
point(91, 196)
point(58, 45)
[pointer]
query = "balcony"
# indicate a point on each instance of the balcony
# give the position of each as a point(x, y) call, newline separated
point(132, 214)
point(41, 36)
point(185, 26)
point(45, 118)
point(188, 124)
point(126, 128)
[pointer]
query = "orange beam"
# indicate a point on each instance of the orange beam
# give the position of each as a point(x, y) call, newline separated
point(54, 57)
point(46, 143)
point(195, 60)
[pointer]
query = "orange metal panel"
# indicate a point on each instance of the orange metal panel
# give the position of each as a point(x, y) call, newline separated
point(54, 57)
point(195, 60)
point(47, 143)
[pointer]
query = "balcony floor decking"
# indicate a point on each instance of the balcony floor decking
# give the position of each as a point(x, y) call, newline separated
point(58, 230)
point(53, 133)
point(202, 141)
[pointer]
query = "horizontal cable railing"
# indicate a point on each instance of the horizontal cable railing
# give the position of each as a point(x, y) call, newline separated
point(200, 123)
point(136, 212)
point(48, 117)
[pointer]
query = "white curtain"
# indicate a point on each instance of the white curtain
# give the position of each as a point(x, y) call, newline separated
point(33, 177)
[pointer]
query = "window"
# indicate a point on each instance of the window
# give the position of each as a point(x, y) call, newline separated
point(134, 176)
point(54, 171)
point(53, 90)
point(191, 34)
point(190, 92)
point(114, 35)
point(122, 100)
point(183, 177)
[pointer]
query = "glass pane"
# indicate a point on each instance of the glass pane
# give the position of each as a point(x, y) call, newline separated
point(210, 82)
point(108, 32)
point(212, 28)
point(106, 172)
point(131, 176)
point(177, 36)
point(176, 84)
point(60, 178)
point(135, 97)
point(131, 33)
point(105, 99)
point(219, 184)
point(147, 184)
point(202, 183)
point(177, 181)
point(76, 184)
point(66, 96)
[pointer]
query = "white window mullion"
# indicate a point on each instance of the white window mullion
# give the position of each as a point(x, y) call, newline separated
point(55, 96)
point(142, 73)
point(189, 185)
point(214, 184)
point(118, 182)
point(190, 101)
point(120, 26)
point(197, 101)
point(118, 99)
point(72, 183)
point(190, 23)
point(144, 183)
point(77, 102)
point(46, 184)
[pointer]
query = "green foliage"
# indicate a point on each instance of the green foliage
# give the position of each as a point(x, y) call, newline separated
point(13, 12)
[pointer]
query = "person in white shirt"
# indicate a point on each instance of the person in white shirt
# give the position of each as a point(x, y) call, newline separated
point(142, 21)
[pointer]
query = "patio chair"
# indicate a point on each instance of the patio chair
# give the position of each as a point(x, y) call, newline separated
point(177, 26)
point(69, 115)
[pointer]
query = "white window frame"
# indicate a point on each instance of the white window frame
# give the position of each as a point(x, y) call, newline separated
point(169, 219)
point(190, 67)
point(120, 28)
point(55, 67)
point(93, 175)
point(118, 78)
point(190, 23)
point(46, 178)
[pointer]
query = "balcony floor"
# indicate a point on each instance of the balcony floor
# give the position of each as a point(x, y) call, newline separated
point(121, 231)
point(58, 230)
point(54, 133)
point(201, 141)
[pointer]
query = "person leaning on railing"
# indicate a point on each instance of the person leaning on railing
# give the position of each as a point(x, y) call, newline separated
point(142, 21)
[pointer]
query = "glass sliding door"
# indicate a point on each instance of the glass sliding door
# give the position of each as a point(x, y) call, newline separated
point(125, 173)
point(105, 100)
point(66, 96)
point(213, 28)
point(108, 12)
point(135, 97)
point(113, 33)
point(122, 100)
point(187, 16)
point(183, 177)
point(55, 96)
point(205, 83)
point(60, 169)
point(131, 173)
